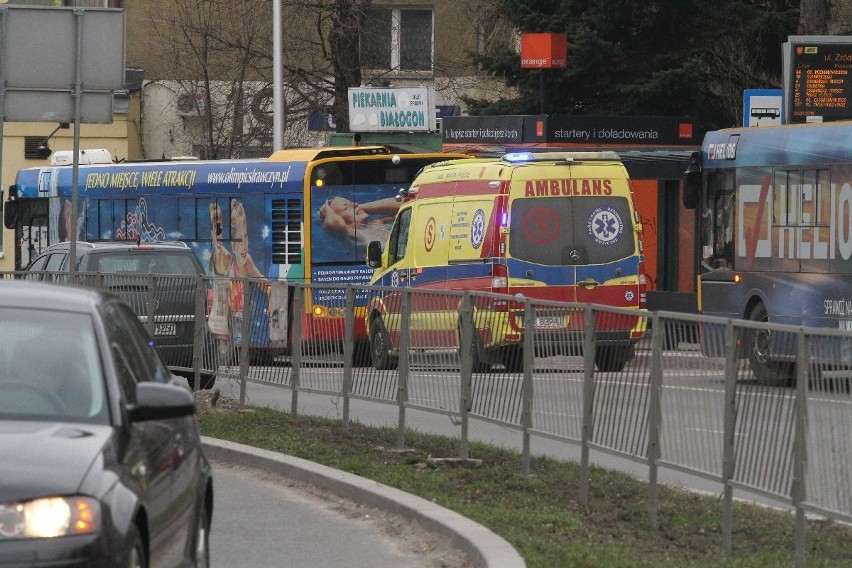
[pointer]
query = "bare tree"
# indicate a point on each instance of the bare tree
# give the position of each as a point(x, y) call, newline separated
point(733, 67)
point(813, 17)
point(219, 50)
point(225, 48)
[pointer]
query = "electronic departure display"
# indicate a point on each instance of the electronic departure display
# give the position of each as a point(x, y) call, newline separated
point(820, 84)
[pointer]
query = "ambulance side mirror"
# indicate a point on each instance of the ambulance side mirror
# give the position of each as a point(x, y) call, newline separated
point(374, 254)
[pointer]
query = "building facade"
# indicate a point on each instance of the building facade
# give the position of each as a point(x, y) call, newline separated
point(182, 101)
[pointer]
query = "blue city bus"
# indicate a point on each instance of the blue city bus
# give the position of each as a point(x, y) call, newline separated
point(302, 215)
point(775, 232)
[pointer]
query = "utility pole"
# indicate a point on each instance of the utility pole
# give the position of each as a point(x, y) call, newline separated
point(277, 78)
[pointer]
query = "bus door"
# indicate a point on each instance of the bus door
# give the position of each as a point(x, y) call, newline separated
point(32, 223)
point(31, 229)
point(284, 260)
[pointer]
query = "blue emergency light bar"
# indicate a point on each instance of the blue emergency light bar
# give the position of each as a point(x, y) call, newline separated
point(520, 157)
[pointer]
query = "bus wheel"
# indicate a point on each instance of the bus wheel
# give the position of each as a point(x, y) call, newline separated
point(380, 346)
point(613, 359)
point(766, 371)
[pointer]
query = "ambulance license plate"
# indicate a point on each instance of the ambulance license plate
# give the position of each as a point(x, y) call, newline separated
point(169, 328)
point(549, 322)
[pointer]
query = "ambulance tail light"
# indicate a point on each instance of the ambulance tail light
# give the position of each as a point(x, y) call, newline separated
point(500, 285)
point(643, 286)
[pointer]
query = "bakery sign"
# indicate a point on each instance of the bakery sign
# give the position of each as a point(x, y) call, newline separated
point(392, 110)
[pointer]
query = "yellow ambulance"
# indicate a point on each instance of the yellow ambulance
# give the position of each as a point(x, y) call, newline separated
point(549, 226)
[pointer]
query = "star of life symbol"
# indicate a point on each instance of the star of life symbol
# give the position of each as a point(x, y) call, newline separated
point(477, 229)
point(628, 295)
point(605, 225)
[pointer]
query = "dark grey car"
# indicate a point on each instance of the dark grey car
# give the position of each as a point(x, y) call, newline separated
point(102, 459)
point(160, 281)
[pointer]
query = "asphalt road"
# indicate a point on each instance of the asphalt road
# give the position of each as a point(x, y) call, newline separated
point(261, 520)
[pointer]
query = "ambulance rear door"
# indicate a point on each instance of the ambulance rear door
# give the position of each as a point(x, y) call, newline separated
point(608, 272)
point(543, 249)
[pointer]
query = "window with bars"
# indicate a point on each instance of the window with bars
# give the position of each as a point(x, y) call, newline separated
point(287, 231)
point(398, 39)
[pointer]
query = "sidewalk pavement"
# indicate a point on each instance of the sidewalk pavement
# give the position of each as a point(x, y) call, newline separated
point(484, 548)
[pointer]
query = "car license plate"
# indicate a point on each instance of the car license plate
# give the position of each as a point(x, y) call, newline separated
point(549, 322)
point(165, 329)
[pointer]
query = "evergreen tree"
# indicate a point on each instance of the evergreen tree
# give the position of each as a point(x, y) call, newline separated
point(639, 57)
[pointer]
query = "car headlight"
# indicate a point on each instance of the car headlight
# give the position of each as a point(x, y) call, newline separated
point(50, 517)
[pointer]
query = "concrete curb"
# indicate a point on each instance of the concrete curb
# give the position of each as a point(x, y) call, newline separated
point(484, 548)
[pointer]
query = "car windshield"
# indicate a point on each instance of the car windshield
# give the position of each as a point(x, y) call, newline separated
point(49, 367)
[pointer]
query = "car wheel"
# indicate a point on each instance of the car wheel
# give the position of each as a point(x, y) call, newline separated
point(380, 346)
point(136, 556)
point(478, 364)
point(202, 540)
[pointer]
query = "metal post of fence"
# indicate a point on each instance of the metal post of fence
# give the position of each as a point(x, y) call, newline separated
point(800, 454)
point(198, 331)
point(348, 350)
point(245, 340)
point(729, 447)
point(656, 417)
point(465, 340)
point(150, 298)
point(404, 366)
point(296, 347)
point(527, 387)
point(588, 401)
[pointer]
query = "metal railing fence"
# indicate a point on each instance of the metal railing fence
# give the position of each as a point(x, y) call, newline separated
point(684, 396)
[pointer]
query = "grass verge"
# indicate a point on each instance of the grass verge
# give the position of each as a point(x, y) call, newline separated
point(539, 513)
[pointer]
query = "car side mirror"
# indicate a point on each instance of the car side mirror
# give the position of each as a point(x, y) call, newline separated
point(691, 183)
point(160, 401)
point(374, 254)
